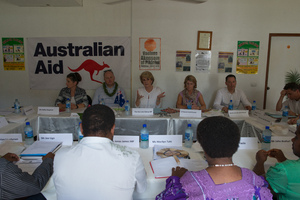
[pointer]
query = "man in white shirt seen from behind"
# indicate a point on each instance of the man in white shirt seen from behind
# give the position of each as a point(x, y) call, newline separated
point(97, 168)
point(228, 93)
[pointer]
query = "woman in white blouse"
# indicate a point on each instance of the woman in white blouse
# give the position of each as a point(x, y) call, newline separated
point(148, 96)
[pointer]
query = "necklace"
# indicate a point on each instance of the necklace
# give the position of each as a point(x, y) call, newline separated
point(224, 165)
point(113, 92)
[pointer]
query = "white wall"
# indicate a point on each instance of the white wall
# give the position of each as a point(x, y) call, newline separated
point(175, 23)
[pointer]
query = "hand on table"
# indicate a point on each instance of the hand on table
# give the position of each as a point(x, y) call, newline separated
point(49, 155)
point(73, 106)
point(293, 121)
point(248, 108)
point(11, 157)
point(178, 171)
point(225, 109)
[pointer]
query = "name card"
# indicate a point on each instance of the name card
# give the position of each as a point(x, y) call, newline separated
point(28, 110)
point(165, 140)
point(248, 143)
point(48, 110)
point(281, 142)
point(74, 115)
point(16, 137)
point(3, 122)
point(190, 113)
point(142, 111)
point(238, 113)
point(129, 141)
point(65, 138)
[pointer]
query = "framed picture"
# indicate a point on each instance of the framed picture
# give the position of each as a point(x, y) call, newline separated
point(204, 40)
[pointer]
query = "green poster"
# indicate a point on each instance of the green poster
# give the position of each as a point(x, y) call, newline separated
point(13, 53)
point(247, 57)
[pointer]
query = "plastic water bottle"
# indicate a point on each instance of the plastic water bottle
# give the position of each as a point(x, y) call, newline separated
point(285, 114)
point(102, 102)
point(28, 131)
point(79, 134)
point(17, 106)
point(254, 105)
point(68, 105)
point(266, 139)
point(127, 108)
point(188, 136)
point(230, 105)
point(144, 137)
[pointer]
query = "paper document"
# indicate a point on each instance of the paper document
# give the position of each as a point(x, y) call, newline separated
point(40, 148)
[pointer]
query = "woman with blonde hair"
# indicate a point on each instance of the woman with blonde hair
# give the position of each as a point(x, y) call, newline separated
point(190, 98)
point(148, 96)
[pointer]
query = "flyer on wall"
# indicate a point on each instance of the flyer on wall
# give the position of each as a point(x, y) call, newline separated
point(225, 62)
point(183, 61)
point(203, 61)
point(247, 57)
point(150, 53)
point(13, 53)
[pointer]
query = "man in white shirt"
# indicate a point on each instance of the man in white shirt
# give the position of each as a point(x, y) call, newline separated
point(228, 93)
point(293, 103)
point(97, 168)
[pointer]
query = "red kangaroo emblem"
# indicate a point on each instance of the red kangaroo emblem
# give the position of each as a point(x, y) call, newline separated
point(91, 66)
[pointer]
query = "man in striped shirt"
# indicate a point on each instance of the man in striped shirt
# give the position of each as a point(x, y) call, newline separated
point(16, 184)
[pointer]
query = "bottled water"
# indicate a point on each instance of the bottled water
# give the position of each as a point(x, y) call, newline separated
point(17, 106)
point(266, 139)
point(254, 105)
point(28, 134)
point(285, 114)
point(144, 137)
point(68, 105)
point(79, 134)
point(102, 102)
point(188, 136)
point(230, 105)
point(127, 108)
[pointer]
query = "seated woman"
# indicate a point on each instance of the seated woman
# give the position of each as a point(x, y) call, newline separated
point(190, 96)
point(222, 179)
point(284, 177)
point(148, 96)
point(76, 94)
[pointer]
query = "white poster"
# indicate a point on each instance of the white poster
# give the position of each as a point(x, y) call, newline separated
point(150, 54)
point(203, 61)
point(51, 59)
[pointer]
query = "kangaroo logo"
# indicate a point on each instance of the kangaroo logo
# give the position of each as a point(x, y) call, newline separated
point(91, 66)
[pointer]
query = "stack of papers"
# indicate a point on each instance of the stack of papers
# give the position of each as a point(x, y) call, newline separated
point(39, 149)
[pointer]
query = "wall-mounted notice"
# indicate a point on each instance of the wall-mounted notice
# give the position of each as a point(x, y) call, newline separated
point(183, 61)
point(247, 57)
point(225, 62)
point(150, 54)
point(13, 53)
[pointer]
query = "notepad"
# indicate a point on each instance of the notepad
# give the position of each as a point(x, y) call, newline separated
point(41, 148)
point(162, 168)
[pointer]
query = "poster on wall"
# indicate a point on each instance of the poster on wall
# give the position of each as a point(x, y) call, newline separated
point(203, 61)
point(51, 59)
point(225, 62)
point(183, 61)
point(247, 57)
point(150, 53)
point(13, 54)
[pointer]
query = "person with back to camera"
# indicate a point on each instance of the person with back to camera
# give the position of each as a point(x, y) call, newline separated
point(190, 95)
point(284, 177)
point(221, 180)
point(148, 96)
point(97, 168)
point(76, 94)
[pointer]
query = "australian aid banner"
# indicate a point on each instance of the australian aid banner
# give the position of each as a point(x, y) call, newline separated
point(50, 60)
